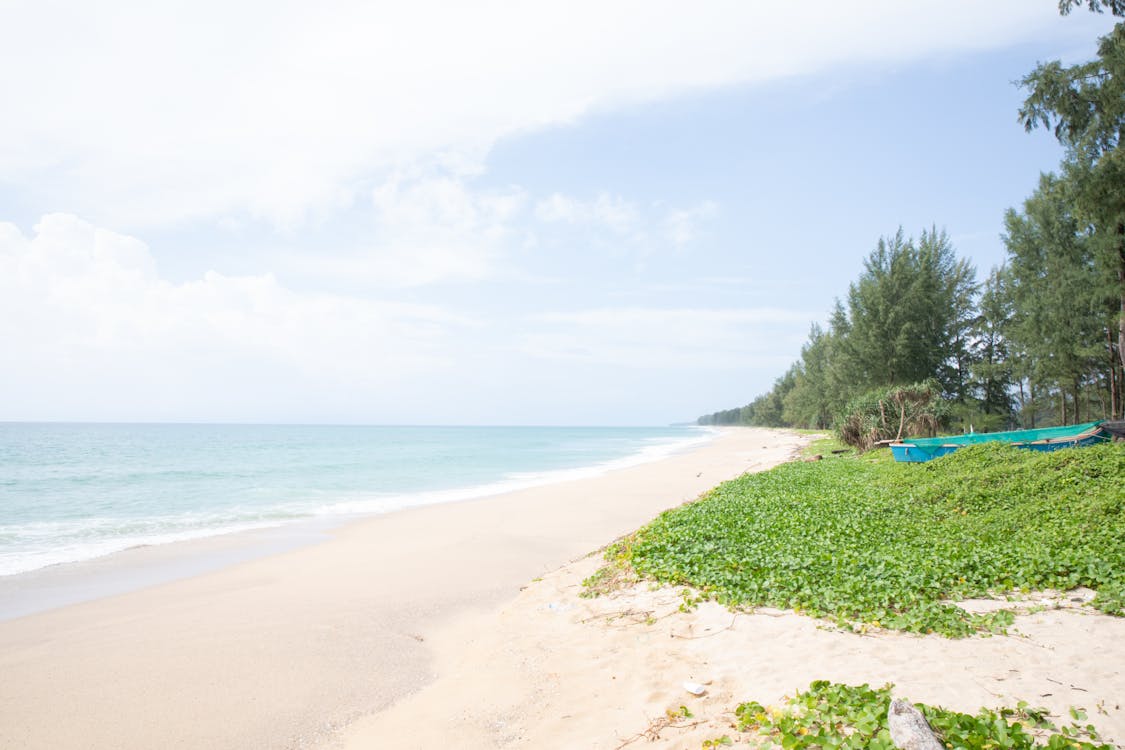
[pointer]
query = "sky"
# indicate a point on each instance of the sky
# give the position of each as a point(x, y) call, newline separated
point(577, 213)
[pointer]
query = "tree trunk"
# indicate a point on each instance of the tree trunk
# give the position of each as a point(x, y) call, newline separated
point(1031, 398)
point(1113, 412)
point(1119, 379)
point(1121, 292)
point(1101, 401)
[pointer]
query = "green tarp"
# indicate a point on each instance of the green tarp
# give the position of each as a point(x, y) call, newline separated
point(1044, 439)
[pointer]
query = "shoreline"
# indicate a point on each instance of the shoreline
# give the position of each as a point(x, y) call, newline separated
point(149, 564)
point(137, 568)
point(305, 641)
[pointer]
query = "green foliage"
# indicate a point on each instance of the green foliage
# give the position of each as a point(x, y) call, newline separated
point(1116, 7)
point(1084, 105)
point(993, 368)
point(880, 544)
point(907, 314)
point(825, 715)
point(814, 398)
point(891, 413)
point(825, 445)
point(908, 317)
point(764, 411)
point(832, 715)
point(1062, 309)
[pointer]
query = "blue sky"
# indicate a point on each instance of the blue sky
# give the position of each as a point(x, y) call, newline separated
point(623, 213)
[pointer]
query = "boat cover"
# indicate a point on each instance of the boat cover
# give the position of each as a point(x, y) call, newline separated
point(1086, 433)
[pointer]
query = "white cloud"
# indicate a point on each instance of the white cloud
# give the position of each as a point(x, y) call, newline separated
point(618, 214)
point(682, 225)
point(140, 113)
point(430, 226)
point(426, 227)
point(91, 329)
point(627, 220)
point(435, 229)
point(612, 212)
point(672, 338)
point(559, 207)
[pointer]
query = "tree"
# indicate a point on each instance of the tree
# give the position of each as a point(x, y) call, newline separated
point(812, 401)
point(909, 318)
point(992, 365)
point(1060, 311)
point(1085, 106)
point(768, 409)
point(955, 305)
point(908, 315)
point(1116, 7)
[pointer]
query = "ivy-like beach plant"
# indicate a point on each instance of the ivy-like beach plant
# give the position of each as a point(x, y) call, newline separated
point(832, 715)
point(874, 544)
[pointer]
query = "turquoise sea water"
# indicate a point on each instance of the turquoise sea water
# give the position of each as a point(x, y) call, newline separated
point(71, 492)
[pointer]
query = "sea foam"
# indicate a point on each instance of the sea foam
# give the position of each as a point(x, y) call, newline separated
point(75, 492)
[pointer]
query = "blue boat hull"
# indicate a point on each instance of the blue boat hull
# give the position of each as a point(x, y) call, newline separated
point(911, 453)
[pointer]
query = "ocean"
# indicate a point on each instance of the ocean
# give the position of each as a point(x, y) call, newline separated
point(74, 492)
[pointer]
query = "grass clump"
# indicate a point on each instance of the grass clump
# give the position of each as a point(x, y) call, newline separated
point(825, 444)
point(877, 544)
point(832, 715)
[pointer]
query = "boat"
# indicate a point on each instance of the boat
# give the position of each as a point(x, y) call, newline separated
point(917, 450)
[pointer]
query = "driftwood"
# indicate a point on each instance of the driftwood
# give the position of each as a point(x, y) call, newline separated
point(909, 728)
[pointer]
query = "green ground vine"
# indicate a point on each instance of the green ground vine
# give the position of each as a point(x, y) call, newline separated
point(877, 544)
point(832, 715)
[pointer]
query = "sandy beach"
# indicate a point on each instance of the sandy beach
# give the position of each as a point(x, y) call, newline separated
point(554, 670)
point(462, 626)
point(286, 650)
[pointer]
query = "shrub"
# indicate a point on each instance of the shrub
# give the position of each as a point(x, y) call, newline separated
point(891, 414)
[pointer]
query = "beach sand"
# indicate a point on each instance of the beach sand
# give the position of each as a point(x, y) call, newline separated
point(286, 650)
point(461, 626)
point(554, 670)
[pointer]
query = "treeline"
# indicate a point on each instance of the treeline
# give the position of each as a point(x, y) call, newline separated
point(1041, 339)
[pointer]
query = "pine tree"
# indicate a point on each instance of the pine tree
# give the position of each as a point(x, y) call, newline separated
point(1085, 106)
point(1059, 319)
point(992, 376)
point(909, 314)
